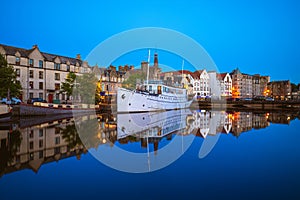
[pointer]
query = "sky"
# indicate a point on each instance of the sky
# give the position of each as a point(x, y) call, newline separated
point(255, 36)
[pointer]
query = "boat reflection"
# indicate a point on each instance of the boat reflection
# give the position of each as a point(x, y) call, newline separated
point(28, 145)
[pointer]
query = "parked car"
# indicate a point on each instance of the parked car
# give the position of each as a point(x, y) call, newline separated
point(260, 98)
point(247, 99)
point(32, 100)
point(12, 101)
point(269, 99)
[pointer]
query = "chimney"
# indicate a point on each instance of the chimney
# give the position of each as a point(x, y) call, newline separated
point(78, 56)
point(35, 46)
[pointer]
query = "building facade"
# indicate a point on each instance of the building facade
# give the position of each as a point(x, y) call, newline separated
point(225, 83)
point(41, 74)
point(259, 85)
point(280, 90)
point(241, 84)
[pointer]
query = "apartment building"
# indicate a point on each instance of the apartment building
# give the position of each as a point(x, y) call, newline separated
point(279, 90)
point(241, 84)
point(259, 85)
point(41, 74)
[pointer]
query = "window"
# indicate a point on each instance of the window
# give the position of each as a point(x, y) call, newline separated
point(31, 85)
point(41, 95)
point(68, 68)
point(41, 132)
point(41, 63)
point(57, 76)
point(57, 140)
point(41, 143)
point(57, 66)
point(57, 86)
point(31, 145)
point(31, 62)
point(57, 130)
point(30, 73)
point(41, 85)
point(31, 134)
point(30, 95)
point(17, 60)
point(41, 154)
point(18, 72)
point(41, 75)
point(31, 156)
point(57, 96)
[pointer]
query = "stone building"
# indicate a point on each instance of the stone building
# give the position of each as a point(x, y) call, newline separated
point(259, 85)
point(241, 84)
point(279, 90)
point(41, 74)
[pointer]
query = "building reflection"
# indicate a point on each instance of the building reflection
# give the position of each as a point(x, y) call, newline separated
point(32, 145)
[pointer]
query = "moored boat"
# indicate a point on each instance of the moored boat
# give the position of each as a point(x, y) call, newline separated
point(153, 96)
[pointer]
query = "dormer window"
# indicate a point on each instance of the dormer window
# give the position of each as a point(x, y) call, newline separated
point(17, 60)
point(57, 66)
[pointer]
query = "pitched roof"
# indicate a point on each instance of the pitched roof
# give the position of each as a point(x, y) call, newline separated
point(10, 50)
point(221, 75)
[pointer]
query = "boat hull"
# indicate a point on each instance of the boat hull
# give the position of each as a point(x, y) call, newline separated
point(132, 101)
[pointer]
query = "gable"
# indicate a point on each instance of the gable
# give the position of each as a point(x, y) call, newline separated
point(36, 54)
point(57, 60)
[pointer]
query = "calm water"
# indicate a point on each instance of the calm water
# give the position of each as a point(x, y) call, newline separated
point(190, 155)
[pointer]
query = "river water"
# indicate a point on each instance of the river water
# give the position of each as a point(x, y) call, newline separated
point(183, 154)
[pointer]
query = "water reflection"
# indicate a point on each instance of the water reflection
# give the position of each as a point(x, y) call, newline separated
point(30, 143)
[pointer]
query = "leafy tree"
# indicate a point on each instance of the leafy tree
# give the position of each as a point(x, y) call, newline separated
point(133, 80)
point(88, 88)
point(9, 85)
point(68, 85)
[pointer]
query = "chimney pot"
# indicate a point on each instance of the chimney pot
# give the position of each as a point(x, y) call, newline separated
point(78, 56)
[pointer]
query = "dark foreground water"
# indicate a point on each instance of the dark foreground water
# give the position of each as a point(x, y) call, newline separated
point(190, 155)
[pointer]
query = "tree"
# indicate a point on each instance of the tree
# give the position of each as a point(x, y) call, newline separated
point(88, 88)
point(133, 80)
point(68, 85)
point(9, 84)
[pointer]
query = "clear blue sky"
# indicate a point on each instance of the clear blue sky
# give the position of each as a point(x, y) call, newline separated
point(256, 36)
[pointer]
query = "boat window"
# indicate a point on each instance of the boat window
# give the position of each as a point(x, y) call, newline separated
point(150, 87)
point(159, 89)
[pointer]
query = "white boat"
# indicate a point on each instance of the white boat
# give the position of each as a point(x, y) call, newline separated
point(154, 97)
point(152, 124)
